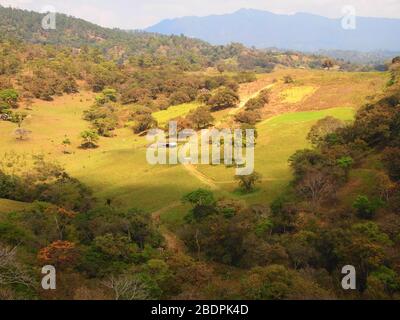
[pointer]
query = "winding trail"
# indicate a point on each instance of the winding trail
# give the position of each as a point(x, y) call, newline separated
point(243, 103)
point(174, 244)
point(156, 215)
point(200, 176)
point(193, 170)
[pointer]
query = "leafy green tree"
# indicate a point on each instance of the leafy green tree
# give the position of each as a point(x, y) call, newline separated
point(8, 99)
point(223, 98)
point(199, 197)
point(201, 118)
point(18, 118)
point(107, 95)
point(89, 139)
point(345, 163)
point(366, 209)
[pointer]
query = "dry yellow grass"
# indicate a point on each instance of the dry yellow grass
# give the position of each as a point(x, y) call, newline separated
point(297, 94)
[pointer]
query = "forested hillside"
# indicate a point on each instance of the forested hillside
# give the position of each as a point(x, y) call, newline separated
point(119, 45)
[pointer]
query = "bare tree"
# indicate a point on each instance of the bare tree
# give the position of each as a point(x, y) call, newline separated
point(11, 272)
point(127, 288)
point(317, 186)
point(22, 133)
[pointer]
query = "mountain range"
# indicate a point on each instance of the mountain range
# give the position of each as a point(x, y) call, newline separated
point(301, 31)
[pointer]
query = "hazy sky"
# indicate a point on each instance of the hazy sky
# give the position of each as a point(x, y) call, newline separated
point(135, 14)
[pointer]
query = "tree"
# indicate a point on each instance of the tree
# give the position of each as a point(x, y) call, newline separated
point(317, 186)
point(327, 64)
point(248, 183)
point(221, 67)
point(144, 122)
point(22, 133)
point(199, 197)
point(8, 99)
point(11, 272)
point(110, 94)
point(105, 126)
point(384, 186)
point(61, 254)
point(204, 96)
point(18, 118)
point(248, 117)
point(179, 97)
point(396, 60)
point(223, 98)
point(366, 209)
point(89, 139)
point(127, 288)
point(391, 160)
point(345, 162)
point(276, 282)
point(322, 128)
point(288, 79)
point(201, 118)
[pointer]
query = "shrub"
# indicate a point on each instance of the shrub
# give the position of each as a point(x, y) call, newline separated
point(366, 209)
point(223, 98)
point(89, 139)
point(179, 97)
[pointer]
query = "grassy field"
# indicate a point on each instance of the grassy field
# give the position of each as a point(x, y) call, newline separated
point(11, 206)
point(118, 169)
point(173, 112)
point(278, 138)
point(297, 94)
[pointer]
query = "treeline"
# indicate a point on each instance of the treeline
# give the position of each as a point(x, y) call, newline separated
point(147, 49)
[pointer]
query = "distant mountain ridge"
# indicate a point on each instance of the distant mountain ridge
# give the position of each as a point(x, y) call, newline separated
point(301, 31)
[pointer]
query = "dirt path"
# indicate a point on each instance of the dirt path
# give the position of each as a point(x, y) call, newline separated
point(157, 214)
point(244, 101)
point(174, 244)
point(201, 177)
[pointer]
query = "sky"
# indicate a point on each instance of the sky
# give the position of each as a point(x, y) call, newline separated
point(138, 14)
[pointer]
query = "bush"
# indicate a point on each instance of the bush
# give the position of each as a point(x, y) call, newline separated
point(288, 79)
point(366, 209)
point(248, 117)
point(89, 139)
point(179, 97)
point(8, 99)
point(245, 77)
point(223, 98)
point(144, 122)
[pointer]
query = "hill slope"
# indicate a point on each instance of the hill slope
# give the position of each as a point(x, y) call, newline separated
point(301, 31)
